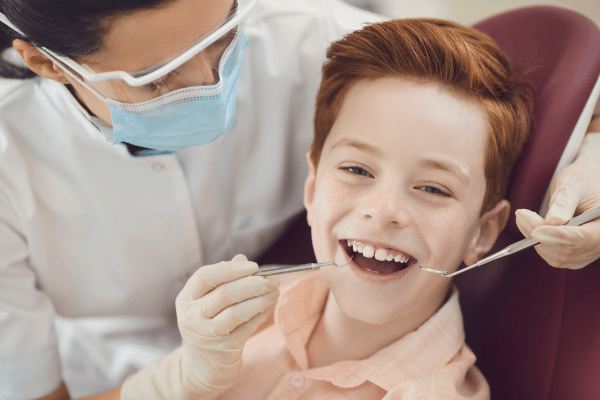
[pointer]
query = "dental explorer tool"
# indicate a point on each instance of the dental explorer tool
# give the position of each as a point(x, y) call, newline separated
point(294, 268)
point(520, 245)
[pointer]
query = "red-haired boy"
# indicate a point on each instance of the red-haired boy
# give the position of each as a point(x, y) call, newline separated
point(417, 127)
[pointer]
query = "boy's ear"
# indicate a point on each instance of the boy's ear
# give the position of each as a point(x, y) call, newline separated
point(37, 62)
point(309, 188)
point(490, 225)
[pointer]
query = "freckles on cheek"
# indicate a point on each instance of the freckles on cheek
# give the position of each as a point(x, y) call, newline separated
point(447, 228)
point(334, 193)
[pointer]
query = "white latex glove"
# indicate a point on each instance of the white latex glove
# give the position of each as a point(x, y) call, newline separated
point(218, 309)
point(574, 190)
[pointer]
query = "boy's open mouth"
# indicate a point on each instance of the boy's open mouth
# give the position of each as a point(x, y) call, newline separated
point(376, 260)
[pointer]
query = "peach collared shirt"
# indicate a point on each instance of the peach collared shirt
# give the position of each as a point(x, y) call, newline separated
point(432, 362)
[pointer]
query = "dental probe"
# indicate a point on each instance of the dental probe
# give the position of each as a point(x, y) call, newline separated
point(520, 245)
point(294, 268)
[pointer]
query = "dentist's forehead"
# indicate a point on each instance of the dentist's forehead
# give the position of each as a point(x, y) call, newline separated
point(145, 38)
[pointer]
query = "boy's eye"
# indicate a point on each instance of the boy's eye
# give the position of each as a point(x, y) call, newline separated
point(357, 171)
point(434, 190)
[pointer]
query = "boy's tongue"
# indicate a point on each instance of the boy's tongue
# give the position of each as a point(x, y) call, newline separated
point(381, 267)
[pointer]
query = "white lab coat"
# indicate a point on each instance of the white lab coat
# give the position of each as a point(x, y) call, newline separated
point(95, 244)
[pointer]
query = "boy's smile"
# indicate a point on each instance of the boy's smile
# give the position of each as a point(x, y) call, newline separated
point(377, 262)
point(400, 183)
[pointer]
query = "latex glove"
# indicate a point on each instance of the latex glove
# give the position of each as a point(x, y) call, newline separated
point(574, 190)
point(218, 309)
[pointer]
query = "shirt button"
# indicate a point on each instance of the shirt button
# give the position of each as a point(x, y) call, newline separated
point(158, 166)
point(297, 381)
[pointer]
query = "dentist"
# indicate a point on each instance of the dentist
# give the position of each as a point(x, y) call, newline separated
point(140, 140)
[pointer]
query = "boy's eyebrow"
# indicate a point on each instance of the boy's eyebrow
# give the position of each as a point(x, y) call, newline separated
point(426, 163)
point(446, 166)
point(367, 148)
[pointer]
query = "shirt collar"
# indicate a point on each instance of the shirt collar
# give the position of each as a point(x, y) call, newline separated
point(416, 354)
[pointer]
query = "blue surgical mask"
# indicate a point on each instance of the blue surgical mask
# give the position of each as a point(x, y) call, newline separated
point(182, 118)
point(186, 117)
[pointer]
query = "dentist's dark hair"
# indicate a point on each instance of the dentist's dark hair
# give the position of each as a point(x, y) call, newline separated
point(71, 28)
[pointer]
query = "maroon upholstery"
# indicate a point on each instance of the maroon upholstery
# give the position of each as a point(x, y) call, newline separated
point(534, 329)
point(558, 50)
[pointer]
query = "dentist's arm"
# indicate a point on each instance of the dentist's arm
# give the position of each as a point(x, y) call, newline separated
point(574, 190)
point(218, 309)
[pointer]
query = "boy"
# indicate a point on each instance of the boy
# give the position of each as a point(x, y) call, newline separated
point(418, 125)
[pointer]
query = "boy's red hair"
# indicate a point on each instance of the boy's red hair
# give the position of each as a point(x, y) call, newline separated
point(461, 59)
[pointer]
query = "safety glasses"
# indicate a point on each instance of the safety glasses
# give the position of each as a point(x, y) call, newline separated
point(202, 41)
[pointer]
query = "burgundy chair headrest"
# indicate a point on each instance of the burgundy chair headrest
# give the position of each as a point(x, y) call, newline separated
point(558, 50)
point(533, 327)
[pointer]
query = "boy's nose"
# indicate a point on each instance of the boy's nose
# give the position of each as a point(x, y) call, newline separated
point(386, 208)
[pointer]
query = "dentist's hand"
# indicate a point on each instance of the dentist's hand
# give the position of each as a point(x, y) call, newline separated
point(218, 309)
point(574, 190)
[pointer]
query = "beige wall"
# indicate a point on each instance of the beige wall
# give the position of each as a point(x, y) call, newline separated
point(468, 12)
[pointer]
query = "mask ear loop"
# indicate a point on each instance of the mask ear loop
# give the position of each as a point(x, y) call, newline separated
point(73, 75)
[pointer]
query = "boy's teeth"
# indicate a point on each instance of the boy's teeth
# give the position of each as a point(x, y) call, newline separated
point(380, 255)
point(368, 251)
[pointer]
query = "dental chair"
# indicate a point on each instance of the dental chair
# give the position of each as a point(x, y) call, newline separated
point(535, 329)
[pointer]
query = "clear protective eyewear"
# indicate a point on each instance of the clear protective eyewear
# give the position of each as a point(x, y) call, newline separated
point(139, 86)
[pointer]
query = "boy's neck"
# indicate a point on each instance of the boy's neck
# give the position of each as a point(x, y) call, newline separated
point(338, 337)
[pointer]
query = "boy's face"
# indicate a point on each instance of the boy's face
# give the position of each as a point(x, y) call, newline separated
point(401, 175)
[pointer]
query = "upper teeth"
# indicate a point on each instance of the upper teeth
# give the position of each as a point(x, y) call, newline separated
point(380, 254)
